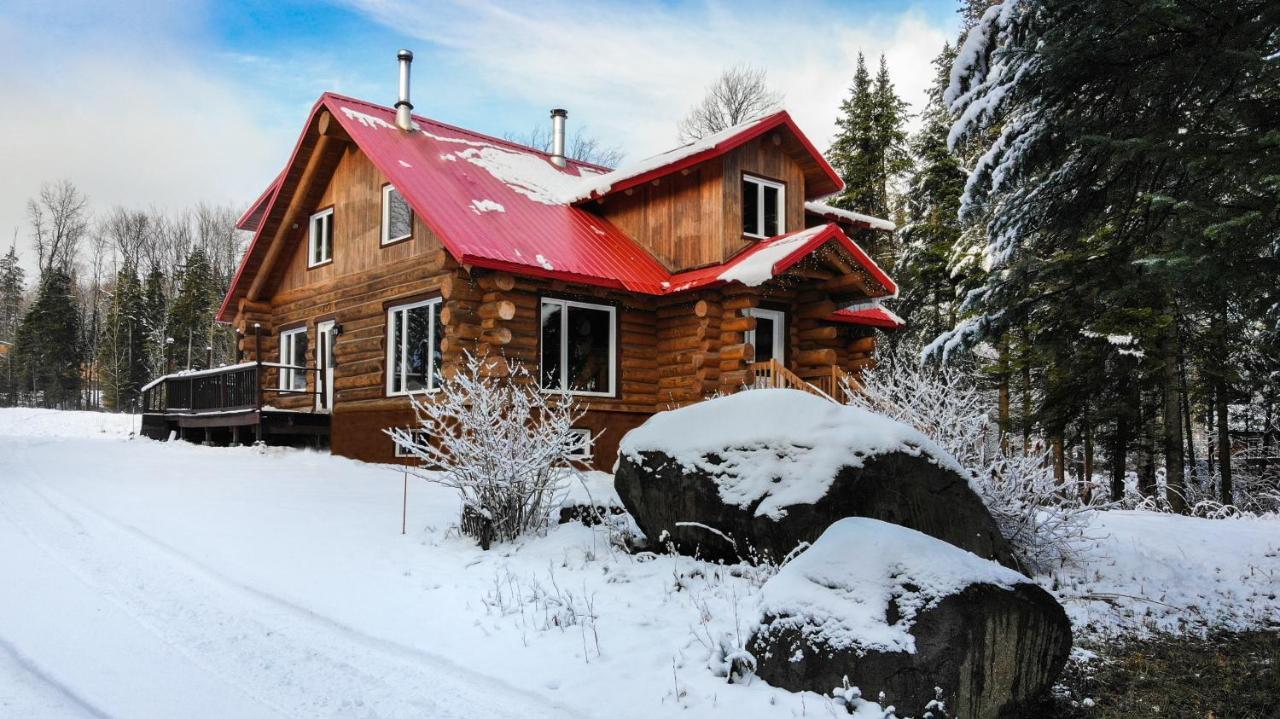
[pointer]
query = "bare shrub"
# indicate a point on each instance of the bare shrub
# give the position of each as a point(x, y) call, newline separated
point(1041, 520)
point(504, 444)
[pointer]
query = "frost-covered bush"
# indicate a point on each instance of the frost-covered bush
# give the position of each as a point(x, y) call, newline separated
point(1042, 522)
point(503, 443)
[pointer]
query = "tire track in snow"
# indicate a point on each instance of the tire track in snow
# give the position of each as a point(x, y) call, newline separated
point(307, 664)
point(61, 694)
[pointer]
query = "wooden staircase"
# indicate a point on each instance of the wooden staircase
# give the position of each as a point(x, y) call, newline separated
point(828, 385)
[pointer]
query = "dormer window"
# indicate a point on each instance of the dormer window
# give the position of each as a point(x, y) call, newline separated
point(397, 216)
point(763, 207)
point(320, 239)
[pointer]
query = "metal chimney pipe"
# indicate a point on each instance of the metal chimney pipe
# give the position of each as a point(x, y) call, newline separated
point(403, 107)
point(558, 116)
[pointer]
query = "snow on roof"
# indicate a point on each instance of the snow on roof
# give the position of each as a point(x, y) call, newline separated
point(837, 590)
point(777, 447)
point(757, 268)
point(828, 211)
point(870, 312)
point(603, 184)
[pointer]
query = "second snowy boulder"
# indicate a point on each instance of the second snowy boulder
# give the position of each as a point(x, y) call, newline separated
point(755, 475)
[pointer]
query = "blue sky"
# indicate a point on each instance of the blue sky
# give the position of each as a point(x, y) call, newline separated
point(166, 104)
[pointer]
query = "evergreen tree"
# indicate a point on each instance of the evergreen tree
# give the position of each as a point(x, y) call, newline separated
point(155, 323)
point(889, 120)
point(11, 289)
point(853, 152)
point(122, 352)
point(191, 315)
point(48, 351)
point(932, 206)
point(1131, 189)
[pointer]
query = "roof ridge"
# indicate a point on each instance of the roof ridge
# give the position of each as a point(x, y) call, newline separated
point(457, 128)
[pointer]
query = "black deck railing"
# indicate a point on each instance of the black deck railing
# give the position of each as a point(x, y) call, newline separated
point(226, 389)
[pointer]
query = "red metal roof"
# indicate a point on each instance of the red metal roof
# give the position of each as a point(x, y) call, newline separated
point(503, 206)
point(871, 316)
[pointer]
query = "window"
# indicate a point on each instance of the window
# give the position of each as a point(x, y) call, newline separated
point(414, 332)
point(579, 441)
point(293, 353)
point(418, 435)
point(320, 239)
point(770, 335)
point(763, 203)
point(579, 347)
point(397, 217)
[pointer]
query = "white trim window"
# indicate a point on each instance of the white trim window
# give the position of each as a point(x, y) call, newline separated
point(293, 352)
point(579, 347)
point(580, 443)
point(417, 434)
point(414, 332)
point(764, 205)
point(397, 216)
point(320, 238)
point(770, 335)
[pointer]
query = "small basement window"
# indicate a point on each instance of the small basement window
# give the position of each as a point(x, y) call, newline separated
point(579, 347)
point(414, 332)
point(579, 441)
point(320, 238)
point(293, 354)
point(763, 207)
point(418, 435)
point(397, 216)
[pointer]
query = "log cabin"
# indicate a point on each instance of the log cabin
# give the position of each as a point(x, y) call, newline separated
point(391, 244)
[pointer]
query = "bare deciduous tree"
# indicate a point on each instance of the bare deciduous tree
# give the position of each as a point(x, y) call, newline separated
point(59, 219)
point(741, 93)
point(580, 145)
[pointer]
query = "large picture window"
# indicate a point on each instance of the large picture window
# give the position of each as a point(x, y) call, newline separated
point(763, 207)
point(320, 238)
point(397, 216)
point(579, 347)
point(293, 354)
point(414, 332)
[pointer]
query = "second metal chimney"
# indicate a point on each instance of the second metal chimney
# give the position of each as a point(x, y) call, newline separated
point(403, 107)
point(558, 116)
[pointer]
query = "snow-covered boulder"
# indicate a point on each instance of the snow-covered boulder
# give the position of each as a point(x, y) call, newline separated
point(756, 474)
point(589, 498)
point(899, 612)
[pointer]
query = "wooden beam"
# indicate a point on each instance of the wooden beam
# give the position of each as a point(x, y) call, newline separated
point(291, 215)
point(329, 127)
point(846, 283)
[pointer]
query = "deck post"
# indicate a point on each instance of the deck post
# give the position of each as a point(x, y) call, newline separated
point(257, 382)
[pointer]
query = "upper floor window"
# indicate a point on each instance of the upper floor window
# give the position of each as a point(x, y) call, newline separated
point(320, 239)
point(579, 347)
point(397, 216)
point(414, 332)
point(763, 207)
point(293, 354)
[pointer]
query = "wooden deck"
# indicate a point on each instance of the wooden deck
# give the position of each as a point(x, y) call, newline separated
point(226, 406)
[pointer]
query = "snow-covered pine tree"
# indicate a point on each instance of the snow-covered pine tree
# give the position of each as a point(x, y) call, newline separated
point(48, 351)
point(1133, 170)
point(11, 294)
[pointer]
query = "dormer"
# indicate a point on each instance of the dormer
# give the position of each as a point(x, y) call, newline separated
point(701, 204)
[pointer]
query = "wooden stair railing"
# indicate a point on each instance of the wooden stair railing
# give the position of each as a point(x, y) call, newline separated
point(772, 374)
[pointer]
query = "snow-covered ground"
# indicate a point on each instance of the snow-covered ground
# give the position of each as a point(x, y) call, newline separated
point(159, 579)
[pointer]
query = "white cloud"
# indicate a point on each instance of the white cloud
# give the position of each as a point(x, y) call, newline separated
point(126, 112)
point(631, 70)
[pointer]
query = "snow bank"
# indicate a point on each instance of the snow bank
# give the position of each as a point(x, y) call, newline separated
point(778, 447)
point(1150, 572)
point(837, 591)
point(53, 423)
point(591, 489)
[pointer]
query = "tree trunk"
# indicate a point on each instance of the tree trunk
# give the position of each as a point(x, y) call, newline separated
point(1209, 446)
point(1186, 415)
point(1086, 485)
point(1004, 395)
point(1119, 451)
point(1146, 449)
point(1059, 459)
point(1226, 491)
point(1175, 483)
point(1026, 405)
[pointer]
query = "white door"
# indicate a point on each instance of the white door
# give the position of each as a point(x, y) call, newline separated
point(324, 365)
point(769, 336)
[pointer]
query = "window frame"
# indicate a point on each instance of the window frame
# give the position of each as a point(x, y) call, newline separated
point(761, 183)
point(385, 230)
point(391, 311)
point(414, 432)
point(285, 380)
point(585, 448)
point(327, 215)
point(565, 304)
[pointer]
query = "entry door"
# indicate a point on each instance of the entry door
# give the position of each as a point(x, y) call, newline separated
point(769, 336)
point(324, 365)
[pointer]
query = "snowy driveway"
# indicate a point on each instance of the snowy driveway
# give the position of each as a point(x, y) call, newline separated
point(100, 618)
